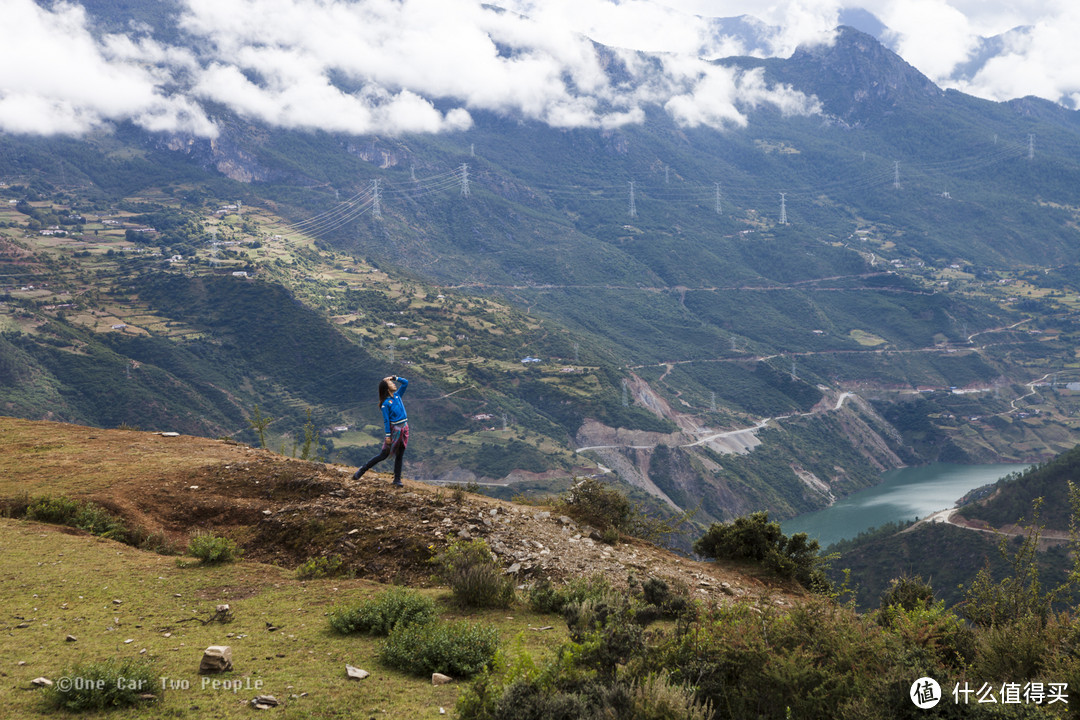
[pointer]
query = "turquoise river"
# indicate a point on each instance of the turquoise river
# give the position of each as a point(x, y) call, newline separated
point(903, 494)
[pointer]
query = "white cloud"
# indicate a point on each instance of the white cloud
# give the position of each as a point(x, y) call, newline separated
point(274, 60)
point(395, 66)
point(1040, 60)
point(55, 78)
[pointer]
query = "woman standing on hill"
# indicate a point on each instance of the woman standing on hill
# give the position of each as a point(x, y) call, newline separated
point(395, 423)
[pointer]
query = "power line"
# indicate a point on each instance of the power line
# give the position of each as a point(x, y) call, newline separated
point(633, 207)
point(376, 208)
point(783, 209)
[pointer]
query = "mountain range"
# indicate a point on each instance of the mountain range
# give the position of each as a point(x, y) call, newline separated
point(859, 271)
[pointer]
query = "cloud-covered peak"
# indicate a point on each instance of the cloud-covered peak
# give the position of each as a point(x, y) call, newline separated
point(376, 66)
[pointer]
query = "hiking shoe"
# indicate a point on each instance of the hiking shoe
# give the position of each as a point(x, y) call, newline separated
point(358, 474)
point(398, 485)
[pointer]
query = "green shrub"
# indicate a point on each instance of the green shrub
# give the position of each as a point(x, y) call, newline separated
point(105, 684)
point(521, 691)
point(96, 520)
point(15, 507)
point(909, 593)
point(669, 603)
point(457, 649)
point(474, 576)
point(321, 567)
point(1016, 651)
point(657, 698)
point(752, 537)
point(382, 613)
point(544, 597)
point(593, 503)
point(934, 634)
point(608, 632)
point(57, 510)
point(212, 549)
point(87, 516)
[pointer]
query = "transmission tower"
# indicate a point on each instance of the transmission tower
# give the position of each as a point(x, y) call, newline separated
point(464, 179)
point(376, 206)
point(1031, 147)
point(625, 395)
point(667, 175)
point(412, 173)
point(896, 175)
point(576, 348)
point(393, 348)
point(633, 208)
point(215, 260)
point(783, 209)
point(719, 209)
point(712, 401)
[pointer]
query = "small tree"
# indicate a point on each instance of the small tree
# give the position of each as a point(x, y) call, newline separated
point(311, 438)
point(1020, 596)
point(259, 423)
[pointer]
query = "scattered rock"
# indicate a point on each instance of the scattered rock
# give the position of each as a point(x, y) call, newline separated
point(41, 682)
point(264, 702)
point(513, 569)
point(216, 659)
point(22, 626)
point(70, 638)
point(356, 673)
point(440, 679)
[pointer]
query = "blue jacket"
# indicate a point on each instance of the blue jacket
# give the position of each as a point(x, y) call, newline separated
point(393, 410)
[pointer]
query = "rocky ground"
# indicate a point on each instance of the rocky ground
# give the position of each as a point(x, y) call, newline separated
point(285, 511)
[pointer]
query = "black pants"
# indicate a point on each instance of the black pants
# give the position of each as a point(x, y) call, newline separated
point(395, 448)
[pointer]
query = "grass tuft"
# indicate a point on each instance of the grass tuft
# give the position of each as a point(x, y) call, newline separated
point(103, 685)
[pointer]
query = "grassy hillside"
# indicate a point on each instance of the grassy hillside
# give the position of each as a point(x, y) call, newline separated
point(1012, 498)
point(669, 634)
